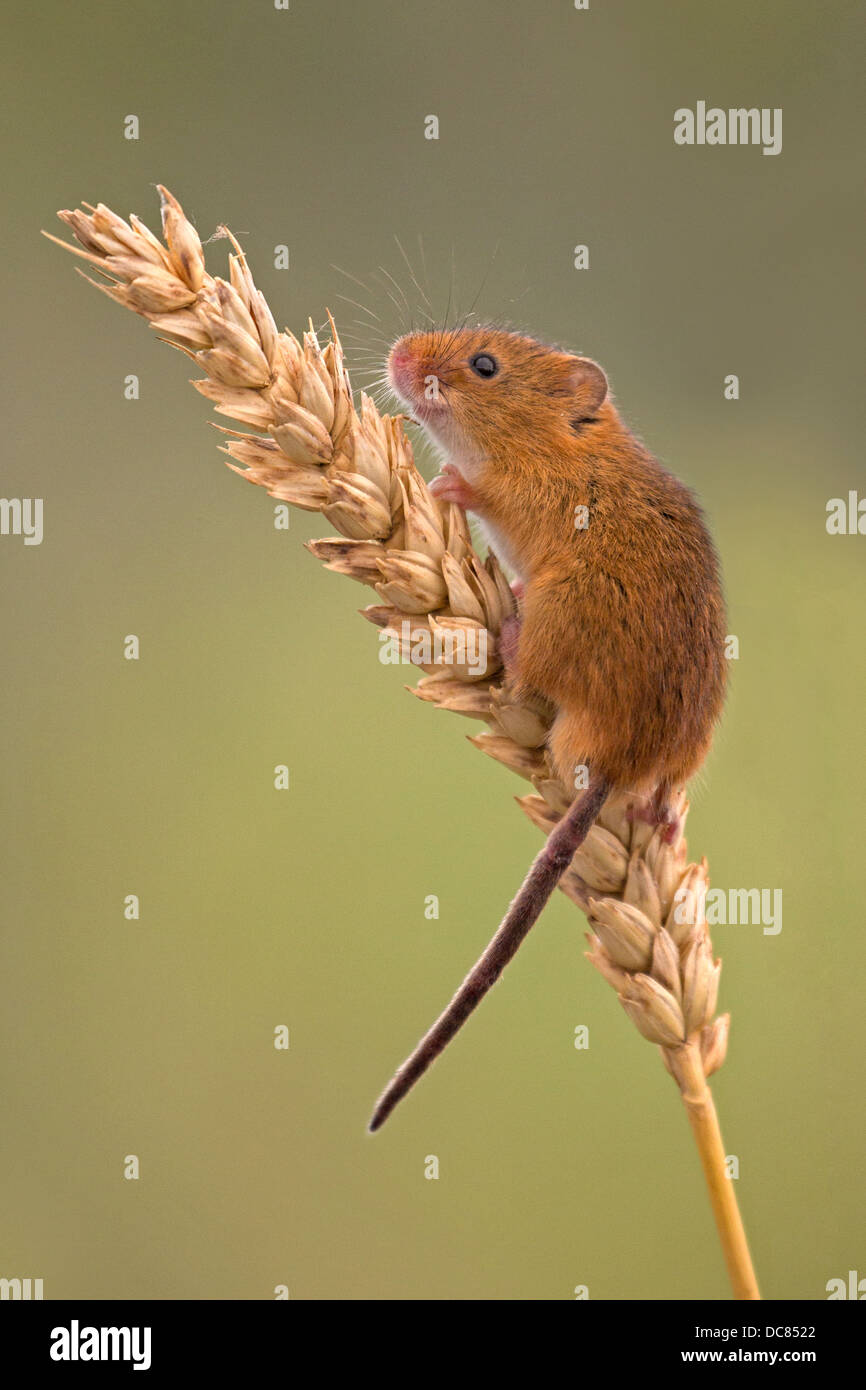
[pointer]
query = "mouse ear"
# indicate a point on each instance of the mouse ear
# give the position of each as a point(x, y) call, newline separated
point(588, 385)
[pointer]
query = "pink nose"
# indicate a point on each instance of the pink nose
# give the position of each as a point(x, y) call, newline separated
point(400, 370)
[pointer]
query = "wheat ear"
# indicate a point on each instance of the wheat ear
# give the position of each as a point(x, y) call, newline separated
point(307, 445)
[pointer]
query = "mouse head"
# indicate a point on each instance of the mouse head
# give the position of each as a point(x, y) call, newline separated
point(473, 388)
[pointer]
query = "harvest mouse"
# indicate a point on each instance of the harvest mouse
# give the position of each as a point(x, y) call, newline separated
point(622, 626)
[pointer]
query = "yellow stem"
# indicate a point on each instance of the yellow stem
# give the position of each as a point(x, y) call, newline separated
point(700, 1107)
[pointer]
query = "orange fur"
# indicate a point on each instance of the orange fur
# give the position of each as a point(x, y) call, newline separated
point(623, 622)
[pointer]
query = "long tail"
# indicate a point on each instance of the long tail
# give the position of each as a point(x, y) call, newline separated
point(546, 871)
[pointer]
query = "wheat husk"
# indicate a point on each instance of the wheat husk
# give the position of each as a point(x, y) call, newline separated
point(304, 441)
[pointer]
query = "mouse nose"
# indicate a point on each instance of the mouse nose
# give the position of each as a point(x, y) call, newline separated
point(401, 370)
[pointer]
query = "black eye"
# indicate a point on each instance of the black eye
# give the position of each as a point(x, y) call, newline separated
point(483, 364)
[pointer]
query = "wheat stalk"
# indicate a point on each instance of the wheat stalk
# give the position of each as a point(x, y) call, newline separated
point(307, 445)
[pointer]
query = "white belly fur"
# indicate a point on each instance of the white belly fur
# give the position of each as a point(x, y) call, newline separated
point(470, 465)
point(498, 545)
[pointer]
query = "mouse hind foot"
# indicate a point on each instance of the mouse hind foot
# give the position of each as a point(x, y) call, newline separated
point(658, 810)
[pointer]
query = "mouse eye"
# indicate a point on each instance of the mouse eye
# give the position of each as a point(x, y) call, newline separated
point(484, 365)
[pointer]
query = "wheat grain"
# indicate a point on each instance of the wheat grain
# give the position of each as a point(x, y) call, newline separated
point(312, 448)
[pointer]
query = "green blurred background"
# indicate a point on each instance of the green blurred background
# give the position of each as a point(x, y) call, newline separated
point(306, 908)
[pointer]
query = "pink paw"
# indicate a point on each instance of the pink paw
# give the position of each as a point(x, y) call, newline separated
point(451, 486)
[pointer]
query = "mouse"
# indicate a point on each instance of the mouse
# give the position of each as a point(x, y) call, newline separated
point(621, 617)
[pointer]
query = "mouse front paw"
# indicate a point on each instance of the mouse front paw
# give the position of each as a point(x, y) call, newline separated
point(451, 486)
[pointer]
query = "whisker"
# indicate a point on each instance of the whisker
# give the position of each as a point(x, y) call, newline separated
point(353, 278)
point(397, 305)
point(486, 277)
point(414, 278)
point(399, 290)
point(362, 307)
